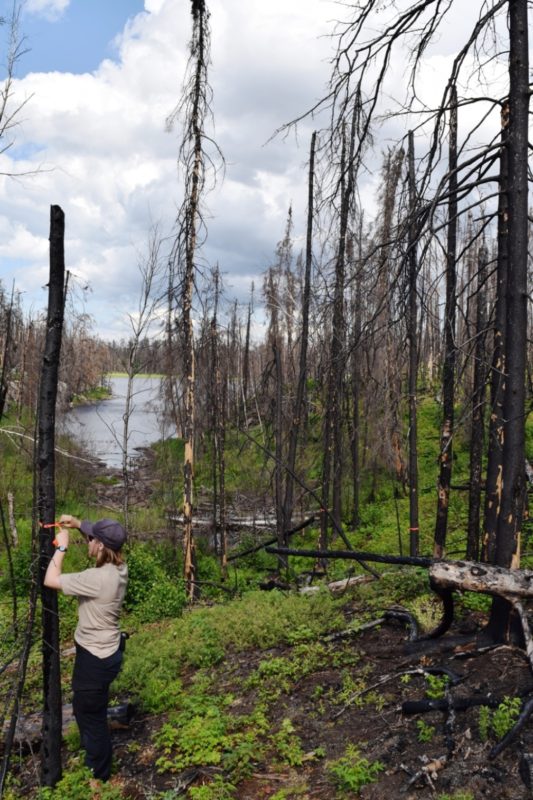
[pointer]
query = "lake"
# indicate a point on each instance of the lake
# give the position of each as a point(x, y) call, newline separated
point(99, 426)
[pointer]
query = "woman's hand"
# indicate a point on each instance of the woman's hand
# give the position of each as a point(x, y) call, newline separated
point(68, 521)
point(62, 538)
point(52, 578)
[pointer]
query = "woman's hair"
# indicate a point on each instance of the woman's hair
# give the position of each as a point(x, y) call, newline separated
point(108, 556)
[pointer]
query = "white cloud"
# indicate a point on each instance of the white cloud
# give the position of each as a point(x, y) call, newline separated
point(50, 9)
point(115, 167)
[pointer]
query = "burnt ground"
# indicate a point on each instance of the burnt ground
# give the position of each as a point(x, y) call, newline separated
point(325, 720)
point(355, 696)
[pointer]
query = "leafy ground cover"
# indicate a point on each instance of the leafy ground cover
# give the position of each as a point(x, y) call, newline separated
point(281, 695)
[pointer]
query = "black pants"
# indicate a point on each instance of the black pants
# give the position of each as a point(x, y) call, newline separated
point(90, 685)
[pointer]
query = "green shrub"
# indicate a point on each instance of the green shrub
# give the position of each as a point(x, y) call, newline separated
point(76, 785)
point(351, 772)
point(288, 745)
point(425, 731)
point(21, 563)
point(501, 720)
point(166, 599)
point(217, 789)
point(151, 593)
point(505, 716)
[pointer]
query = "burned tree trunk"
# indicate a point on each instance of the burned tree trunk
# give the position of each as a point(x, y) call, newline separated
point(332, 465)
point(298, 406)
point(51, 746)
point(246, 361)
point(195, 161)
point(412, 335)
point(493, 487)
point(448, 375)
point(220, 532)
point(478, 408)
point(6, 356)
point(514, 489)
point(355, 375)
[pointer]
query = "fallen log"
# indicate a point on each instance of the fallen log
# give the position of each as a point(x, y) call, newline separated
point(29, 728)
point(260, 546)
point(338, 587)
point(470, 576)
point(355, 555)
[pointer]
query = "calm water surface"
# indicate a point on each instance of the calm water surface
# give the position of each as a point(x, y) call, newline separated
point(100, 426)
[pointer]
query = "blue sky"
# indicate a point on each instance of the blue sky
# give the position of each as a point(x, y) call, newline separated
point(74, 40)
point(77, 39)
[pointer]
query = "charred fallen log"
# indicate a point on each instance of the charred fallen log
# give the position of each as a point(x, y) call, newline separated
point(260, 546)
point(354, 555)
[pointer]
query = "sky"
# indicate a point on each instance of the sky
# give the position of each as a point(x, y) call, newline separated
point(99, 78)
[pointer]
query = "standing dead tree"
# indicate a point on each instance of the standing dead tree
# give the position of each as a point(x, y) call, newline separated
point(478, 409)
point(448, 372)
point(377, 35)
point(332, 436)
point(508, 536)
point(45, 461)
point(195, 162)
point(412, 334)
point(298, 406)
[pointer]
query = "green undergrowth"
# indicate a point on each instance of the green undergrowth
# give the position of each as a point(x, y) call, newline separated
point(219, 697)
point(201, 638)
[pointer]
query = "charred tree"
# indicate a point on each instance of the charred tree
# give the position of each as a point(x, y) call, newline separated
point(51, 730)
point(332, 463)
point(493, 482)
point(477, 431)
point(220, 533)
point(412, 335)
point(355, 373)
point(298, 407)
point(510, 519)
point(246, 360)
point(195, 106)
point(448, 373)
point(7, 354)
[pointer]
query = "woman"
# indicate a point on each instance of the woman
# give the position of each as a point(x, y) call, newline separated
point(100, 591)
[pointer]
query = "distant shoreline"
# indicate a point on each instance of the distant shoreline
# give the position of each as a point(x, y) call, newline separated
point(137, 375)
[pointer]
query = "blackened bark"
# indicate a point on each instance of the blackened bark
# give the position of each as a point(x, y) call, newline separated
point(278, 443)
point(191, 221)
point(412, 335)
point(332, 467)
point(299, 400)
point(513, 494)
point(214, 398)
point(477, 434)
point(6, 357)
point(219, 439)
point(355, 379)
point(51, 736)
point(448, 376)
point(246, 362)
point(513, 490)
point(493, 491)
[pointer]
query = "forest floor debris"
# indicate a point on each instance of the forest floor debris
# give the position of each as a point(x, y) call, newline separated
point(420, 755)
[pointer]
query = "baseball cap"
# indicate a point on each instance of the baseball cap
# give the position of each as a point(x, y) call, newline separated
point(108, 531)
